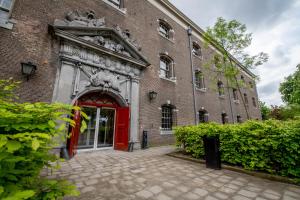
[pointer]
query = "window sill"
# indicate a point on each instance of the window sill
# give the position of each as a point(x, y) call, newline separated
point(173, 79)
point(166, 132)
point(121, 10)
point(7, 24)
point(201, 89)
point(170, 40)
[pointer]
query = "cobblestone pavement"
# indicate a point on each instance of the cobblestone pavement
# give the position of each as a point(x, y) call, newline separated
point(150, 174)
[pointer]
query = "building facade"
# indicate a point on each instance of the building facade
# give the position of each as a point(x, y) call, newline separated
point(133, 66)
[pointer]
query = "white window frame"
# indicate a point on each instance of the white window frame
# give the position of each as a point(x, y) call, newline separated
point(165, 30)
point(197, 50)
point(116, 6)
point(7, 22)
point(200, 82)
point(169, 70)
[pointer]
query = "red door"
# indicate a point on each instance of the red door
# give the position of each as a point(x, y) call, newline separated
point(122, 129)
point(73, 140)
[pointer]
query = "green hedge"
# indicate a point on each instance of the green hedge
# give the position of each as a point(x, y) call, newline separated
point(271, 146)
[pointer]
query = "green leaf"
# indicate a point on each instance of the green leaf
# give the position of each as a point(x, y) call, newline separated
point(13, 146)
point(3, 140)
point(1, 190)
point(83, 126)
point(35, 144)
point(51, 124)
point(20, 195)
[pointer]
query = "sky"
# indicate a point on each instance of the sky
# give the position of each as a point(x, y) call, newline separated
point(275, 25)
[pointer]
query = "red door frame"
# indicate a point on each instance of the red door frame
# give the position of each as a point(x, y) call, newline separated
point(72, 142)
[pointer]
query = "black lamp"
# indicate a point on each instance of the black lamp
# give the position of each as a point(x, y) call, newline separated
point(28, 69)
point(152, 95)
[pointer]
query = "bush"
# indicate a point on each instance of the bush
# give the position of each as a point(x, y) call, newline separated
point(271, 146)
point(27, 133)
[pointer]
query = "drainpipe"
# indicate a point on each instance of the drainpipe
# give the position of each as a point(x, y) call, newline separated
point(189, 32)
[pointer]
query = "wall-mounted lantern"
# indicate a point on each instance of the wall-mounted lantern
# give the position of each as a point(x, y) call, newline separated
point(152, 95)
point(28, 69)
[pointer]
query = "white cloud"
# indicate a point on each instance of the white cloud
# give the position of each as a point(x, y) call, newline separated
point(275, 27)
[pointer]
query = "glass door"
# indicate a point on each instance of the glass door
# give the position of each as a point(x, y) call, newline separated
point(100, 129)
point(86, 139)
point(106, 128)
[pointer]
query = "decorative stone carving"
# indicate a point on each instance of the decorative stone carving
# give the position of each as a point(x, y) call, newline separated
point(102, 78)
point(127, 36)
point(76, 19)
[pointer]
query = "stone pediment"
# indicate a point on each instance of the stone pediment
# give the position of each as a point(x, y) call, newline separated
point(89, 32)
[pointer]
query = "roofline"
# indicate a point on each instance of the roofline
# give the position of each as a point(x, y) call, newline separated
point(200, 31)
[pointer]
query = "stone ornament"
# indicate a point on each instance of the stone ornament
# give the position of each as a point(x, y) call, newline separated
point(102, 78)
point(75, 19)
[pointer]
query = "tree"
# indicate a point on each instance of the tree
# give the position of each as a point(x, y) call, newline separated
point(265, 110)
point(231, 39)
point(290, 88)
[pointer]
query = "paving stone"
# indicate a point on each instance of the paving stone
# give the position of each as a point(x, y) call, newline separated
point(163, 197)
point(88, 189)
point(271, 196)
point(183, 189)
point(91, 182)
point(191, 196)
point(200, 192)
point(239, 197)
point(210, 198)
point(173, 193)
point(221, 195)
point(247, 193)
point(292, 194)
point(155, 189)
point(285, 197)
point(144, 194)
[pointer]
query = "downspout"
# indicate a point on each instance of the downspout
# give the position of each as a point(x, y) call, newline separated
point(189, 32)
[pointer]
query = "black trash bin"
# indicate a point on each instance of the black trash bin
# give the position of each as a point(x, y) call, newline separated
point(212, 152)
point(145, 140)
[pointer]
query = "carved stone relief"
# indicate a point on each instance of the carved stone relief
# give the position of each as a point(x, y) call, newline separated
point(105, 62)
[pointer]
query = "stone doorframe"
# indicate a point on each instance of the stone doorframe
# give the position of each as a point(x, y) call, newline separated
point(99, 59)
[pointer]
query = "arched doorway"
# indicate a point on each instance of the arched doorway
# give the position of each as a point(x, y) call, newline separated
point(107, 124)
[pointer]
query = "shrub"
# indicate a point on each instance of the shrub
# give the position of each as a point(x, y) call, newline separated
point(271, 146)
point(27, 133)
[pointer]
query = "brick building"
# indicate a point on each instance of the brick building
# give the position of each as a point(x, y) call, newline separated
point(129, 64)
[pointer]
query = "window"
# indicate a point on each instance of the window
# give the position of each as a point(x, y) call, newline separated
point(196, 50)
point(116, 3)
point(254, 101)
point(217, 62)
point(203, 116)
point(168, 118)
point(221, 88)
point(235, 94)
point(166, 67)
point(5, 9)
point(243, 79)
point(239, 119)
point(224, 118)
point(246, 99)
point(251, 85)
point(199, 80)
point(165, 29)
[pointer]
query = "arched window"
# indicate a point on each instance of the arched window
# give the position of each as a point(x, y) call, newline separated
point(199, 80)
point(165, 29)
point(197, 50)
point(224, 118)
point(254, 101)
point(168, 117)
point(166, 67)
point(246, 99)
point(239, 119)
point(235, 94)
point(221, 88)
point(5, 12)
point(203, 116)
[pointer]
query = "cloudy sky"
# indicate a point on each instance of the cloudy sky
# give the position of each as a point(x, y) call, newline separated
point(275, 25)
